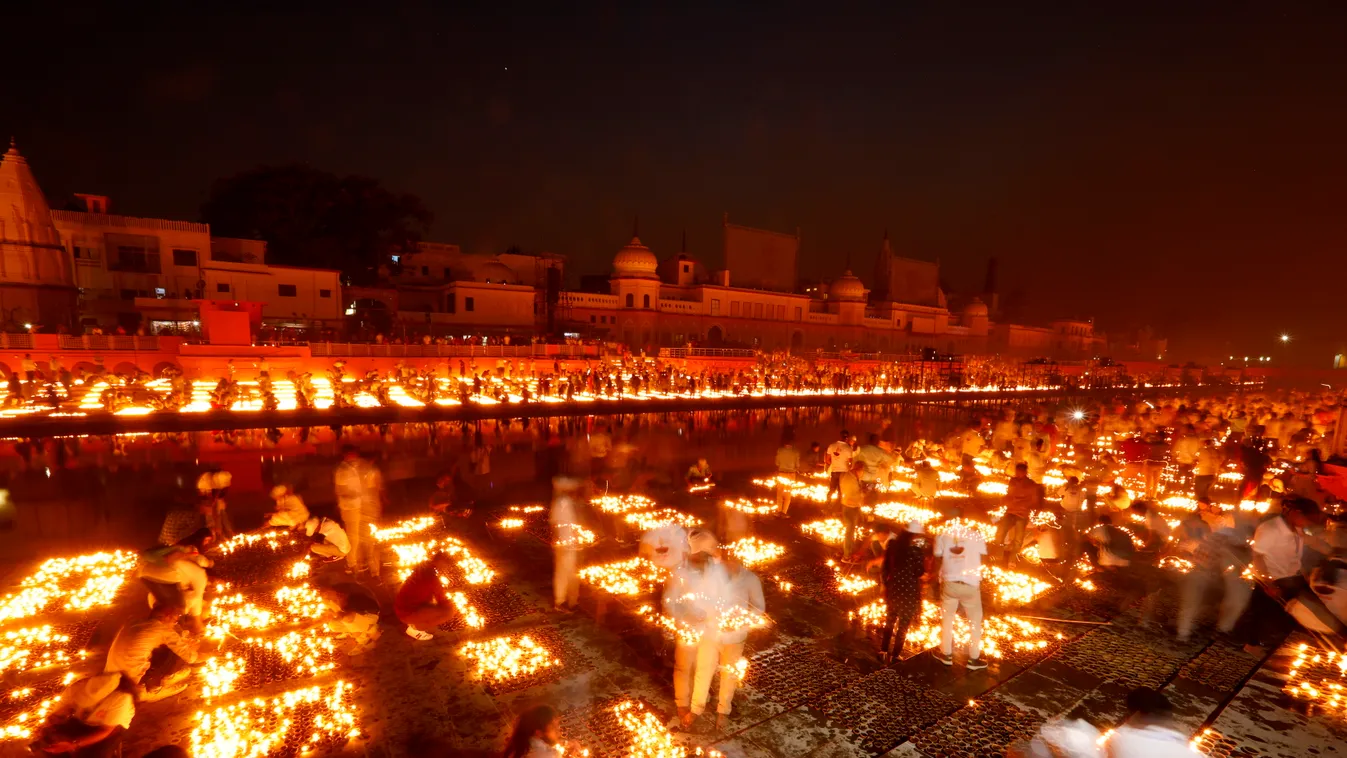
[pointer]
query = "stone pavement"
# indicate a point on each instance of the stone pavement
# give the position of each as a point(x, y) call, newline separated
point(815, 686)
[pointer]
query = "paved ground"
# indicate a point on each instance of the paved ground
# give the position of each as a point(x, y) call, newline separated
point(814, 688)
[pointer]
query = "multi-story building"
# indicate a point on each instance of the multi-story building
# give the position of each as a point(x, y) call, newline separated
point(140, 273)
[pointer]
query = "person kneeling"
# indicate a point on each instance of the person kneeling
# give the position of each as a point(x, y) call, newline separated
point(93, 715)
point(421, 602)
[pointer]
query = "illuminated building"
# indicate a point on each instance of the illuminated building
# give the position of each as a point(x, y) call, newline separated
point(138, 272)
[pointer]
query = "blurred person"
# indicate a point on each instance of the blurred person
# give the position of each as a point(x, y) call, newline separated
point(813, 461)
point(566, 545)
point(743, 590)
point(787, 471)
point(91, 718)
point(1218, 560)
point(689, 599)
point(536, 734)
point(852, 498)
point(153, 654)
point(290, 510)
point(353, 614)
point(176, 575)
point(698, 473)
point(959, 555)
point(927, 484)
point(1118, 499)
point(838, 462)
point(1155, 529)
point(875, 463)
point(905, 566)
point(1062, 738)
point(1150, 732)
point(359, 486)
point(1075, 519)
point(1278, 562)
point(665, 546)
point(1023, 496)
point(1206, 467)
point(421, 602)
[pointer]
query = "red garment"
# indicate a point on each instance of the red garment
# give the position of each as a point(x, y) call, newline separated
point(421, 586)
point(1022, 497)
point(1135, 450)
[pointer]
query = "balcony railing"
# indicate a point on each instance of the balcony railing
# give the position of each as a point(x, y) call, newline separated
point(372, 350)
point(706, 352)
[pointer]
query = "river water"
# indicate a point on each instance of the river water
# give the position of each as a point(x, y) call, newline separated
point(73, 495)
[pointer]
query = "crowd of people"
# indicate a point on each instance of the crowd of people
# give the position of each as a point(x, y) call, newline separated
point(1107, 476)
point(50, 384)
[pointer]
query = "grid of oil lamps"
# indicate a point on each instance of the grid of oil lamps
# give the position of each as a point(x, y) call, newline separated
point(625, 727)
point(1318, 677)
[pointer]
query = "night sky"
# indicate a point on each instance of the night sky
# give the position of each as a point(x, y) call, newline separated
point(1132, 163)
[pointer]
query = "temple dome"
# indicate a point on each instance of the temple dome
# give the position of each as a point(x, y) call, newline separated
point(635, 261)
point(495, 272)
point(975, 309)
point(846, 287)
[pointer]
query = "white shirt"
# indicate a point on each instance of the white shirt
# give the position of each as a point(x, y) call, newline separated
point(744, 589)
point(333, 535)
point(116, 709)
point(839, 457)
point(1281, 547)
point(1147, 742)
point(965, 566)
point(691, 596)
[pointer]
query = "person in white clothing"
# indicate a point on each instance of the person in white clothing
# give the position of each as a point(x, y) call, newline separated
point(959, 553)
point(690, 596)
point(565, 544)
point(359, 486)
point(742, 593)
point(328, 538)
point(838, 463)
point(1151, 731)
point(290, 509)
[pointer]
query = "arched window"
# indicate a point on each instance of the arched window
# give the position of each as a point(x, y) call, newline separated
point(645, 301)
point(631, 300)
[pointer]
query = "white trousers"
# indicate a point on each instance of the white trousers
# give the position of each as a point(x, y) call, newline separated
point(955, 595)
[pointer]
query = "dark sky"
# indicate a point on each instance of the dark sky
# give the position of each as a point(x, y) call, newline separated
point(1178, 164)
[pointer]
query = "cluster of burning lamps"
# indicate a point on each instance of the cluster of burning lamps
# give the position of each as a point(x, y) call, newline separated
point(79, 584)
point(93, 581)
point(502, 659)
point(1329, 692)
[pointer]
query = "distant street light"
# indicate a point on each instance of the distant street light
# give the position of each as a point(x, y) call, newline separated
point(1286, 338)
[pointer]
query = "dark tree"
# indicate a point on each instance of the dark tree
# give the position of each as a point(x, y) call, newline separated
point(315, 218)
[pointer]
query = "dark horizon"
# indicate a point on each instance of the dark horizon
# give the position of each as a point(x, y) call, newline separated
point(1165, 167)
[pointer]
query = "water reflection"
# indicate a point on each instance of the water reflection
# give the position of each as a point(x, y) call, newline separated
point(69, 495)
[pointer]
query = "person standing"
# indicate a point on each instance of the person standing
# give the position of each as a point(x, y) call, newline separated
point(565, 545)
point(1075, 517)
point(907, 559)
point(1023, 496)
point(359, 488)
point(688, 599)
point(960, 554)
point(852, 496)
point(743, 592)
point(787, 469)
point(838, 463)
point(1205, 469)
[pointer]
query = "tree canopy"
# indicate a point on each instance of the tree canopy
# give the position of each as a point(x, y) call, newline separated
point(310, 217)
